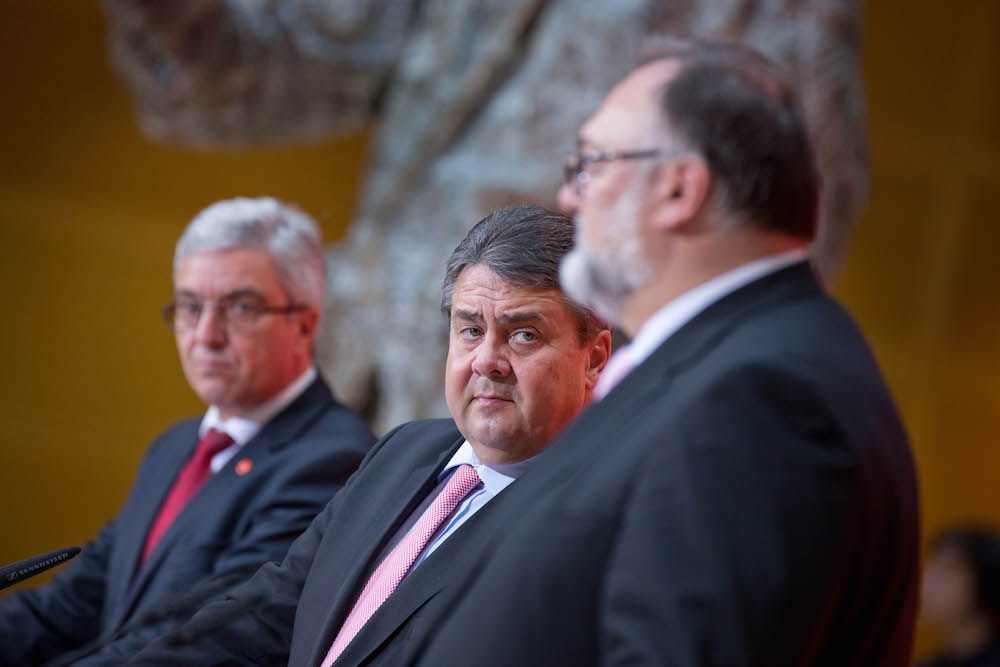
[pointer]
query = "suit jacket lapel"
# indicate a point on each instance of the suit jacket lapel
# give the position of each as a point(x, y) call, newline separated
point(151, 487)
point(398, 506)
point(446, 567)
point(273, 435)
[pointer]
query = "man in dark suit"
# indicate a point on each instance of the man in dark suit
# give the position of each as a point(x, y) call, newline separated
point(743, 493)
point(215, 497)
point(379, 566)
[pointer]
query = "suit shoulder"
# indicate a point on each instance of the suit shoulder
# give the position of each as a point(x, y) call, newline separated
point(433, 435)
point(339, 418)
point(429, 429)
point(814, 335)
point(182, 429)
point(181, 426)
point(335, 428)
point(443, 427)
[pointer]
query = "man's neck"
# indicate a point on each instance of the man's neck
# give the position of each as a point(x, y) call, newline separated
point(694, 262)
point(265, 410)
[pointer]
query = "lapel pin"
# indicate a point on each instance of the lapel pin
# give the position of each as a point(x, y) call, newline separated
point(243, 466)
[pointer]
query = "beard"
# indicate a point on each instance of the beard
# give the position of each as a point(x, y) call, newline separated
point(593, 283)
point(607, 281)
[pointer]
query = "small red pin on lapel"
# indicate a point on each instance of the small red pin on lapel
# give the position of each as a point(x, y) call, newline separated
point(243, 466)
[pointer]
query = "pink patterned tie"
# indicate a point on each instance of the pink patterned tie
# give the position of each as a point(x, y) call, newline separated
point(392, 570)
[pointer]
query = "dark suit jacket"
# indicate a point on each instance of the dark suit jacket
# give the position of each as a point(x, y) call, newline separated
point(746, 496)
point(232, 525)
point(290, 613)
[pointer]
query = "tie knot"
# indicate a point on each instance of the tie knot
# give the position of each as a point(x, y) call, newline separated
point(463, 480)
point(213, 442)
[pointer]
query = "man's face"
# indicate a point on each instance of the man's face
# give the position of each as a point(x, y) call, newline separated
point(605, 272)
point(608, 264)
point(516, 372)
point(237, 368)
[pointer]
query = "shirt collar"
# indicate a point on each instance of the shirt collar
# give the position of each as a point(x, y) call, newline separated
point(668, 319)
point(495, 478)
point(242, 429)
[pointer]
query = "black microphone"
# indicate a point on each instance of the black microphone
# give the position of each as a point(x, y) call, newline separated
point(29, 567)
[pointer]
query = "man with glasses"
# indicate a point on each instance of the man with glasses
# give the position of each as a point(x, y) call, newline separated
point(218, 496)
point(377, 570)
point(742, 491)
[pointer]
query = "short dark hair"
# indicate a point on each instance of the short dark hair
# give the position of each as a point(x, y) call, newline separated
point(523, 245)
point(740, 111)
point(979, 548)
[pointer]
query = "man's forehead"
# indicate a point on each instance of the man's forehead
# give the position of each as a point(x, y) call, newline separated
point(482, 292)
point(228, 270)
point(629, 112)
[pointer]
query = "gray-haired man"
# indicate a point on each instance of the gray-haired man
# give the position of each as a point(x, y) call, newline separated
point(218, 496)
point(376, 571)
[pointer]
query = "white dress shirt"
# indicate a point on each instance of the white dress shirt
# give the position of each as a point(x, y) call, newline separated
point(243, 429)
point(668, 319)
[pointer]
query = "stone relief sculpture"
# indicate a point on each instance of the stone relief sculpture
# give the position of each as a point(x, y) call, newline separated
point(474, 104)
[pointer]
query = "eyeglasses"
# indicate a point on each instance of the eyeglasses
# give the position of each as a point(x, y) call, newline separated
point(575, 165)
point(238, 312)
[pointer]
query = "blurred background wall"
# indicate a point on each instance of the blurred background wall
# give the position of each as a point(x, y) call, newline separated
point(89, 213)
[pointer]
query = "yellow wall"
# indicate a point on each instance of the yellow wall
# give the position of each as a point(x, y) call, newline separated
point(923, 275)
point(89, 213)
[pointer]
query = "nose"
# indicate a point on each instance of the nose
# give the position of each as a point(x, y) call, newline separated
point(490, 360)
point(210, 329)
point(568, 198)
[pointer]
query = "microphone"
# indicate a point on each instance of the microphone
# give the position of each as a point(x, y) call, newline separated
point(29, 567)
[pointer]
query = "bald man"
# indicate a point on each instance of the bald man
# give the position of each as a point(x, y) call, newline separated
point(742, 491)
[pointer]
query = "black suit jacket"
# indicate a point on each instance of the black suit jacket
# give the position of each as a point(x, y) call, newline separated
point(746, 496)
point(234, 524)
point(290, 613)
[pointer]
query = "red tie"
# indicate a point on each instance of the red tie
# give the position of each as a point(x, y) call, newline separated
point(188, 481)
point(392, 570)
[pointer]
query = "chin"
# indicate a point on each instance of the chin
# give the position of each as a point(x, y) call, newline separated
point(497, 437)
point(211, 393)
point(586, 282)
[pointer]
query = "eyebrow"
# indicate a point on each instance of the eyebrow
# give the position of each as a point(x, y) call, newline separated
point(511, 318)
point(519, 317)
point(235, 294)
point(467, 315)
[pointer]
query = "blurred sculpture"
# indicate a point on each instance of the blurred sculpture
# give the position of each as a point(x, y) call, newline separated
point(474, 103)
point(961, 596)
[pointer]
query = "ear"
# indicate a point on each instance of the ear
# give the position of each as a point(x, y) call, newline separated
point(600, 351)
point(308, 322)
point(679, 189)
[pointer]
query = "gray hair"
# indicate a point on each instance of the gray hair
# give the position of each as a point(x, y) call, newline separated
point(288, 235)
point(523, 245)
